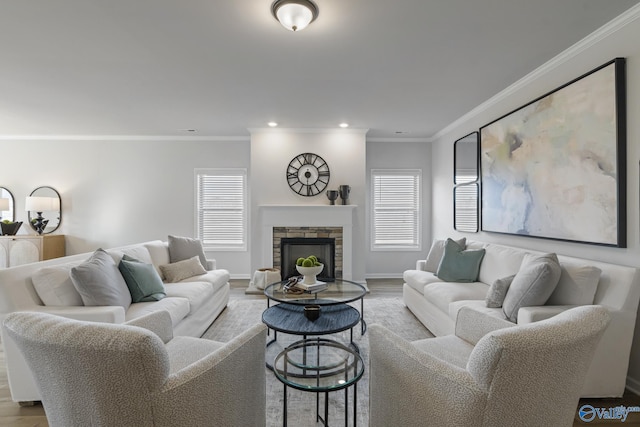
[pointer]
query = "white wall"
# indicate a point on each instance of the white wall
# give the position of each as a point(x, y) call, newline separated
point(588, 55)
point(399, 155)
point(120, 192)
point(345, 153)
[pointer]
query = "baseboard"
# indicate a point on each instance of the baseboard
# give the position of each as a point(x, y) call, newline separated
point(384, 276)
point(633, 385)
point(240, 276)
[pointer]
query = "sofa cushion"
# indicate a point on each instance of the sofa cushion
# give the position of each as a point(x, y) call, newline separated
point(577, 285)
point(159, 253)
point(477, 305)
point(533, 284)
point(218, 278)
point(181, 270)
point(99, 282)
point(142, 279)
point(499, 261)
point(182, 248)
point(195, 292)
point(178, 309)
point(459, 265)
point(437, 250)
point(139, 252)
point(418, 279)
point(441, 294)
point(497, 292)
point(54, 286)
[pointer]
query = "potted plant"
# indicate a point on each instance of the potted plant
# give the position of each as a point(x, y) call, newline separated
point(10, 228)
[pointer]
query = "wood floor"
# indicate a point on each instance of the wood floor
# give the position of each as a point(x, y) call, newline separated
point(13, 415)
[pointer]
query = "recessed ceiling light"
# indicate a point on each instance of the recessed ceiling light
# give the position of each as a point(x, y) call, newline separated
point(272, 124)
point(344, 125)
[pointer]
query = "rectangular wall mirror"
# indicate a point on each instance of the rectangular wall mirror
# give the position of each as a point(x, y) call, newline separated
point(465, 179)
point(465, 159)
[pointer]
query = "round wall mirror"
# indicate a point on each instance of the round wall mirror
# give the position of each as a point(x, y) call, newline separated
point(53, 215)
point(7, 210)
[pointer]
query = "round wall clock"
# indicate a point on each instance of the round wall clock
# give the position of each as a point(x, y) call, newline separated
point(308, 174)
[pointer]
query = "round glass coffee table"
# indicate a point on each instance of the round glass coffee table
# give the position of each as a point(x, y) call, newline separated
point(320, 365)
point(338, 292)
point(336, 315)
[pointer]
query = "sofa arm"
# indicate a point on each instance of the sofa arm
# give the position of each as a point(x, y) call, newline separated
point(421, 265)
point(542, 312)
point(211, 265)
point(409, 387)
point(471, 324)
point(231, 380)
point(105, 314)
point(158, 322)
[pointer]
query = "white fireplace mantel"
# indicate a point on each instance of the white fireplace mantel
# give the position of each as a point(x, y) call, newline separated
point(309, 216)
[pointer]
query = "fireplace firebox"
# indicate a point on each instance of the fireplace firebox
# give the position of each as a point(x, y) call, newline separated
point(293, 248)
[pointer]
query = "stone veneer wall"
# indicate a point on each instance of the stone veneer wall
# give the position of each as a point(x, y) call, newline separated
point(308, 232)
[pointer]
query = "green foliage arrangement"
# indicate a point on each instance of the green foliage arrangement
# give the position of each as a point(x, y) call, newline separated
point(309, 261)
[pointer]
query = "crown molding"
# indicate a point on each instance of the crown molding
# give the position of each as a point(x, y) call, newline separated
point(276, 130)
point(600, 34)
point(121, 138)
point(382, 139)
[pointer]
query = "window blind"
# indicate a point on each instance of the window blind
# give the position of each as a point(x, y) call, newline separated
point(221, 209)
point(396, 215)
point(466, 207)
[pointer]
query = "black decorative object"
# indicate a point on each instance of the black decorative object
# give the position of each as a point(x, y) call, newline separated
point(332, 195)
point(312, 311)
point(344, 193)
point(10, 228)
point(308, 174)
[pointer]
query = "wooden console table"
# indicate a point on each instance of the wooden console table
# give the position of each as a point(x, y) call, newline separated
point(25, 249)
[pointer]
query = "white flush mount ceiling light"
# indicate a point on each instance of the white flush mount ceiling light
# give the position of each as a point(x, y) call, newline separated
point(294, 15)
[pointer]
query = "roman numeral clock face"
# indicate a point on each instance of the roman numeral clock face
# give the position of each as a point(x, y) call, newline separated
point(308, 174)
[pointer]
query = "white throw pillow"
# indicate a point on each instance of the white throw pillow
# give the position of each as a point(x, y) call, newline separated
point(54, 286)
point(437, 250)
point(181, 270)
point(577, 285)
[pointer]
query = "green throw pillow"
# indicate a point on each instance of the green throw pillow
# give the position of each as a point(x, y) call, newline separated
point(142, 279)
point(459, 265)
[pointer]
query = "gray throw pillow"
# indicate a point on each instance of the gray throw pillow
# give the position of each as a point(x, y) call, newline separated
point(497, 292)
point(181, 270)
point(437, 250)
point(458, 265)
point(99, 282)
point(533, 284)
point(142, 279)
point(181, 248)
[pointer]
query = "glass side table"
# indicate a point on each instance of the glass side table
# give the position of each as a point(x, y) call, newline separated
point(321, 366)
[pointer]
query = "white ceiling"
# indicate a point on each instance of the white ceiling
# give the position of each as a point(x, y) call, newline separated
point(160, 67)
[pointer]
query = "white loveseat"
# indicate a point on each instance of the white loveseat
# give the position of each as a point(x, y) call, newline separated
point(436, 304)
point(193, 303)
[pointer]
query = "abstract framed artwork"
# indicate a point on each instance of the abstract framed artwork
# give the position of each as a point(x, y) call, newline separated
point(556, 167)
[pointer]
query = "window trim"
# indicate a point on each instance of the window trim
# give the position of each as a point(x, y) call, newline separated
point(245, 220)
point(414, 247)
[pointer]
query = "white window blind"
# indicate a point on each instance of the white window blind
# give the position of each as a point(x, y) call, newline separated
point(221, 201)
point(466, 207)
point(397, 218)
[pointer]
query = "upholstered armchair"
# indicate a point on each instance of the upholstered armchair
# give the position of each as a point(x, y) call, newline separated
point(529, 375)
point(138, 374)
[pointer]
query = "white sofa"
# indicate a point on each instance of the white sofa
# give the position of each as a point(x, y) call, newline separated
point(436, 304)
point(193, 304)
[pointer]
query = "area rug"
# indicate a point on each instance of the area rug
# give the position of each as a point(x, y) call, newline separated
point(390, 312)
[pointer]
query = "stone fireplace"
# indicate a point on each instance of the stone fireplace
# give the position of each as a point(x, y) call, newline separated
point(290, 243)
point(311, 221)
